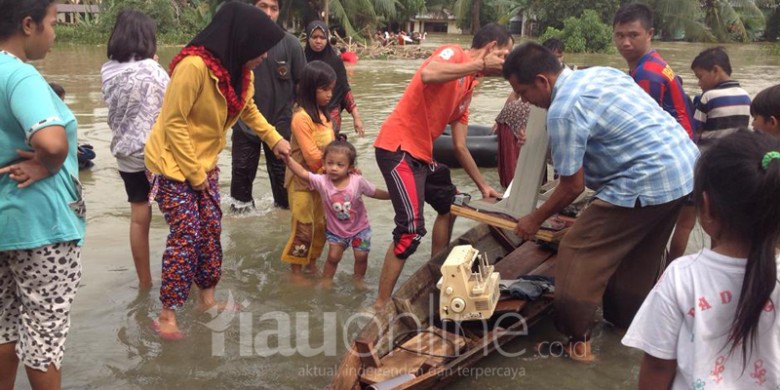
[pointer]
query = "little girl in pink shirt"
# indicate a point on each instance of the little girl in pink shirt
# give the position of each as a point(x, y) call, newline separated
point(346, 223)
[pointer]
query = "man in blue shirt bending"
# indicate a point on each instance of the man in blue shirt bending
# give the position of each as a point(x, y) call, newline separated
point(607, 133)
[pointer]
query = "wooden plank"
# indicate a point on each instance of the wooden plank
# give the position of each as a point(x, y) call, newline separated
point(347, 374)
point(425, 344)
point(522, 260)
point(503, 222)
point(509, 306)
point(367, 354)
point(507, 238)
point(490, 219)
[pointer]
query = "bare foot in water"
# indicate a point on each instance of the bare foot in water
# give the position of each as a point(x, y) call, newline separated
point(326, 283)
point(300, 279)
point(359, 283)
point(580, 351)
point(165, 326)
point(207, 302)
point(312, 269)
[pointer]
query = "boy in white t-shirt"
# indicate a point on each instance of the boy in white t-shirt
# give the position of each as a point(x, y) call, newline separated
point(711, 321)
point(346, 216)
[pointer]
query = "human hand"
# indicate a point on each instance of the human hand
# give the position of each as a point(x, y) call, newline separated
point(521, 138)
point(27, 171)
point(527, 227)
point(489, 192)
point(493, 62)
point(199, 187)
point(359, 127)
point(494, 129)
point(282, 148)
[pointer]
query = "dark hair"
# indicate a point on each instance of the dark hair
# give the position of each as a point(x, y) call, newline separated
point(528, 60)
point(743, 198)
point(767, 103)
point(58, 89)
point(134, 37)
point(709, 58)
point(341, 146)
point(14, 12)
point(632, 12)
point(554, 44)
point(316, 74)
point(489, 33)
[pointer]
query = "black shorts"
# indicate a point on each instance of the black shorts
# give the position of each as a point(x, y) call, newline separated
point(136, 186)
point(410, 182)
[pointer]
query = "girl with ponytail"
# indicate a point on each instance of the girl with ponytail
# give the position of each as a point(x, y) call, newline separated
point(712, 318)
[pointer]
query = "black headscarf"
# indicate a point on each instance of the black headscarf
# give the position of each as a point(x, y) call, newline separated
point(238, 33)
point(329, 56)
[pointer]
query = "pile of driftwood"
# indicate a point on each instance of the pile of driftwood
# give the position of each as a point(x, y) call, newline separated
point(376, 50)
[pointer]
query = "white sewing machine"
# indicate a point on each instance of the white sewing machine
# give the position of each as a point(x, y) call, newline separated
point(466, 295)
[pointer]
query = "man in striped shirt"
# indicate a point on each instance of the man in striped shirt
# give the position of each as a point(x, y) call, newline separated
point(607, 133)
point(724, 106)
point(633, 33)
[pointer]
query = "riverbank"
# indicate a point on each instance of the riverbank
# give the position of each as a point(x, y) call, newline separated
point(87, 35)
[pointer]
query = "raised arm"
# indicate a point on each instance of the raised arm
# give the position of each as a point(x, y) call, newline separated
point(436, 71)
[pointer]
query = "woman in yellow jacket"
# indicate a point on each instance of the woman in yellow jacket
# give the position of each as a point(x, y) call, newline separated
point(211, 87)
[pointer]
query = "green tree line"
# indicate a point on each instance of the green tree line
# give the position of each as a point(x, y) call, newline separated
point(694, 20)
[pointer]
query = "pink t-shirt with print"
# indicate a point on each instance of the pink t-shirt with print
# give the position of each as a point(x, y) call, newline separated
point(345, 213)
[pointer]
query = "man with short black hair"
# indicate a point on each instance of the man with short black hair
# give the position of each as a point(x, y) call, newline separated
point(633, 33)
point(439, 94)
point(275, 81)
point(608, 134)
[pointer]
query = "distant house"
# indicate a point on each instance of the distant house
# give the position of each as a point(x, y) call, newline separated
point(524, 24)
point(72, 13)
point(435, 22)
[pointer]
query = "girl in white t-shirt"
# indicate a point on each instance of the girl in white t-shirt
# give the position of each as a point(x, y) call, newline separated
point(711, 321)
point(346, 219)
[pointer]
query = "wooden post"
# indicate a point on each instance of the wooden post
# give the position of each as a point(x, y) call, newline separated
point(367, 354)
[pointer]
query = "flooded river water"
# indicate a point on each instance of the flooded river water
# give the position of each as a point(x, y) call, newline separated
point(290, 337)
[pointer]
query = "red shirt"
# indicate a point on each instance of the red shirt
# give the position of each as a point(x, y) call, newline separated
point(425, 109)
point(349, 57)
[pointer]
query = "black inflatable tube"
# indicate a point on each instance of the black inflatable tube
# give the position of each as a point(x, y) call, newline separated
point(482, 145)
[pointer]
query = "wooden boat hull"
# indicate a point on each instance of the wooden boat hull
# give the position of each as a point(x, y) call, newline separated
point(415, 308)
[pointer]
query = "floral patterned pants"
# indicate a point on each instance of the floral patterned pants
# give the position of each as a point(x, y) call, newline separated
point(193, 251)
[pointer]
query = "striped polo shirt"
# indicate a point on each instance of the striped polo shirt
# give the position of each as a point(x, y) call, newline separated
point(721, 111)
point(631, 151)
point(657, 78)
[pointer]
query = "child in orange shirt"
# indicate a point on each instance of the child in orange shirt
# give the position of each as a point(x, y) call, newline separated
point(312, 131)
